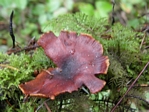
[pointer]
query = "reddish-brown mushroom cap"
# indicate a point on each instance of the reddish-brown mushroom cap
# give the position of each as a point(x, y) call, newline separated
point(78, 59)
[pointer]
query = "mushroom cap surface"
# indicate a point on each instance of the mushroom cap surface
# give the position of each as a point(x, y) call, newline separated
point(78, 58)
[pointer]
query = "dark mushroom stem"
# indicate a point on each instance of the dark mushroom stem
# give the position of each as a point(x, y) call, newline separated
point(11, 29)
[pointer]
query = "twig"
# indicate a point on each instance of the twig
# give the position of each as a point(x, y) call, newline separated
point(8, 66)
point(41, 105)
point(49, 110)
point(11, 29)
point(24, 49)
point(51, 75)
point(129, 87)
point(137, 97)
point(143, 40)
point(85, 90)
point(146, 47)
point(26, 98)
point(8, 102)
point(141, 85)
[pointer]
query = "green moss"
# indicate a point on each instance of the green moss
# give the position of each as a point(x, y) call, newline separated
point(16, 69)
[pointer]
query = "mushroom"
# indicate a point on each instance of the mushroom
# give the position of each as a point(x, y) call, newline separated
point(78, 58)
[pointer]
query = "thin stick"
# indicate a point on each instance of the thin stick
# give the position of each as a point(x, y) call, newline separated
point(49, 110)
point(26, 98)
point(23, 49)
point(129, 88)
point(8, 66)
point(143, 40)
point(41, 105)
point(137, 97)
